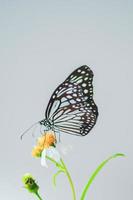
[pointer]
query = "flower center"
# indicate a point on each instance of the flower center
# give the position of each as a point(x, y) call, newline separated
point(44, 142)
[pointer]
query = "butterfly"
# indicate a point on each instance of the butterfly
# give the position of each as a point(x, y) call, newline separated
point(71, 108)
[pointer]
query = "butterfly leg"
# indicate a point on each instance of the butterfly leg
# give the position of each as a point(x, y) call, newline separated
point(41, 131)
point(58, 133)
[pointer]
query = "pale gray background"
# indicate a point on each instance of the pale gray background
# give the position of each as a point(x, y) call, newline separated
point(41, 43)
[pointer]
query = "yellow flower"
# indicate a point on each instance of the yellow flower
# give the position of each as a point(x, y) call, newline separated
point(36, 152)
point(46, 147)
point(45, 141)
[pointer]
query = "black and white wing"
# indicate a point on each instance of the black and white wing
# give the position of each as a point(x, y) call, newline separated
point(71, 108)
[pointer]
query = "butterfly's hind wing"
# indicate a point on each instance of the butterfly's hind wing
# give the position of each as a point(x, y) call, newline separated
point(71, 107)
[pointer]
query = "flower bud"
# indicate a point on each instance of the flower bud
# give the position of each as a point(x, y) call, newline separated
point(30, 183)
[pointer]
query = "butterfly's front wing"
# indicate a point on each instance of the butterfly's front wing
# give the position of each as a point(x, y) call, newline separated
point(81, 77)
point(71, 107)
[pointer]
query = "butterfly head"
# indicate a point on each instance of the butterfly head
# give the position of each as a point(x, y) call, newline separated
point(47, 124)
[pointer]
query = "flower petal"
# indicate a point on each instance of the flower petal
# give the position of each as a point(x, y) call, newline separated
point(43, 158)
point(53, 153)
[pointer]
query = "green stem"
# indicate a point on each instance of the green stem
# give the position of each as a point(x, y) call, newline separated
point(38, 196)
point(69, 179)
point(54, 162)
point(55, 175)
point(63, 168)
point(95, 173)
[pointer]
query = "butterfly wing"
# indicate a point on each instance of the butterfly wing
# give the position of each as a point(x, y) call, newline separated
point(71, 107)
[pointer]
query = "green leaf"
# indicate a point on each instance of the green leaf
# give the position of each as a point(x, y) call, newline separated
point(95, 173)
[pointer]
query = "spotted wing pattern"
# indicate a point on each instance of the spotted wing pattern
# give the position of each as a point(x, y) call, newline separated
point(71, 108)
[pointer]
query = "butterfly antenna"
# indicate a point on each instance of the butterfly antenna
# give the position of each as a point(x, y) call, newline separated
point(26, 131)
